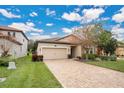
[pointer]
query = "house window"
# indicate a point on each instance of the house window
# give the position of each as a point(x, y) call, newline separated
point(91, 52)
point(21, 48)
point(14, 34)
point(23, 40)
point(9, 34)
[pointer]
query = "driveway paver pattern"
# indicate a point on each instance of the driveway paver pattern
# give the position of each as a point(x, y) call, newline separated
point(74, 74)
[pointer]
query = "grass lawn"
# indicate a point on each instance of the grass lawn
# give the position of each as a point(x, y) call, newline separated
point(119, 65)
point(28, 75)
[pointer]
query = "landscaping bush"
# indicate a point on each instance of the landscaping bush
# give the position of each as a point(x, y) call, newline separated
point(90, 56)
point(78, 57)
point(5, 60)
point(113, 58)
point(3, 63)
point(108, 58)
point(36, 57)
point(97, 59)
point(40, 58)
point(104, 58)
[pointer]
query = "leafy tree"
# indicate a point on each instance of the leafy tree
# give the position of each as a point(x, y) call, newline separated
point(106, 43)
point(5, 46)
point(111, 46)
point(32, 46)
point(95, 35)
point(89, 36)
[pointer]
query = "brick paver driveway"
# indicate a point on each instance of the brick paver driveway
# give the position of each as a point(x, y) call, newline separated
point(76, 74)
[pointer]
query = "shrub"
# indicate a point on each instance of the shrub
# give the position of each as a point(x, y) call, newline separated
point(113, 58)
point(90, 56)
point(40, 57)
point(97, 59)
point(4, 60)
point(3, 63)
point(36, 57)
point(104, 57)
point(108, 58)
point(78, 57)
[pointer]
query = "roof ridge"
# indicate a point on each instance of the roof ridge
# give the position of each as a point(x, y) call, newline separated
point(69, 35)
point(10, 28)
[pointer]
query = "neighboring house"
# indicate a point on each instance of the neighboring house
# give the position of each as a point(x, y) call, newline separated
point(62, 48)
point(14, 40)
point(120, 50)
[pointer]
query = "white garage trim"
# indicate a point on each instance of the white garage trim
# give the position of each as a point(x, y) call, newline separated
point(54, 53)
point(45, 45)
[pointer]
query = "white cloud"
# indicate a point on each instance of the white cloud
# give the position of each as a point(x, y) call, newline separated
point(54, 33)
point(8, 14)
point(49, 24)
point(67, 30)
point(103, 19)
point(101, 6)
point(122, 9)
point(34, 34)
point(17, 10)
point(77, 9)
point(71, 17)
point(33, 14)
point(30, 24)
point(88, 15)
point(119, 17)
point(118, 32)
point(26, 27)
point(50, 12)
point(39, 37)
point(92, 14)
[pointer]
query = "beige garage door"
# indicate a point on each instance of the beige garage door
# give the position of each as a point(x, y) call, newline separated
point(54, 53)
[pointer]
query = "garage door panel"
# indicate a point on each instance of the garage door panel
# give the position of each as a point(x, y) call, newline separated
point(55, 53)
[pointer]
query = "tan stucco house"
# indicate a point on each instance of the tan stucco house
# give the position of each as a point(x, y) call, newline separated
point(13, 40)
point(120, 50)
point(62, 48)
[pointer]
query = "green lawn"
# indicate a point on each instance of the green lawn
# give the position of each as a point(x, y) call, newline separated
point(119, 65)
point(28, 75)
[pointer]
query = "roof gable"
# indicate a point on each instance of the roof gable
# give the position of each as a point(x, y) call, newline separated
point(70, 39)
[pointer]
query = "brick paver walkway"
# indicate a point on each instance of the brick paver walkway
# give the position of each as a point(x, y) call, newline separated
point(73, 74)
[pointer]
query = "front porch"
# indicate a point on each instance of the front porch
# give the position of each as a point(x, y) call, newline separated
point(77, 51)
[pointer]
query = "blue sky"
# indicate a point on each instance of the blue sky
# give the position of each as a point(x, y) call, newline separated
point(47, 21)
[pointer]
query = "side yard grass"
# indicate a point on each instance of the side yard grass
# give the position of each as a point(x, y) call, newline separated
point(28, 75)
point(115, 65)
